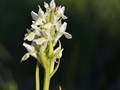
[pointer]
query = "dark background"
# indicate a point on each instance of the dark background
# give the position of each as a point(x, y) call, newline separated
point(91, 60)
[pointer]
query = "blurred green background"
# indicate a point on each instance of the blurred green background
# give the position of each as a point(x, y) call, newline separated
point(91, 60)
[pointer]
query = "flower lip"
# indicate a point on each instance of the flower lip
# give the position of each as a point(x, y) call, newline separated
point(67, 35)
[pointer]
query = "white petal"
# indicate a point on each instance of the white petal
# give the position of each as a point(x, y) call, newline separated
point(40, 12)
point(52, 4)
point(56, 38)
point(25, 57)
point(63, 27)
point(30, 36)
point(34, 15)
point(34, 55)
point(39, 22)
point(57, 26)
point(46, 5)
point(29, 48)
point(47, 26)
point(64, 17)
point(67, 35)
point(56, 50)
point(55, 21)
point(34, 27)
point(37, 32)
point(60, 54)
point(33, 22)
point(61, 10)
point(40, 41)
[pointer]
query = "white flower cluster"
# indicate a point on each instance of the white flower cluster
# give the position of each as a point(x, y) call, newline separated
point(46, 29)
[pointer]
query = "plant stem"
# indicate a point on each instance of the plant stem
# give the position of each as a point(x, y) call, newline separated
point(46, 80)
point(52, 66)
point(37, 77)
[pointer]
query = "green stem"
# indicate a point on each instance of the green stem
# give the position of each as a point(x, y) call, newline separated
point(52, 64)
point(37, 77)
point(46, 80)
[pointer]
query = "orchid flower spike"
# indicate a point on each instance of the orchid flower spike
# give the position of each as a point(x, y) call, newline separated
point(46, 30)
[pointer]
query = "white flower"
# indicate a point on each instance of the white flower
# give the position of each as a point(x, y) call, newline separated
point(31, 51)
point(35, 27)
point(60, 12)
point(63, 28)
point(46, 5)
point(40, 41)
point(46, 27)
point(58, 53)
point(61, 31)
point(39, 21)
point(30, 36)
point(52, 4)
